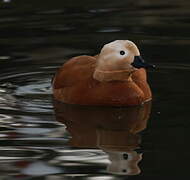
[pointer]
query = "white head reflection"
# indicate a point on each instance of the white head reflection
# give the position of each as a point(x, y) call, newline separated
point(124, 163)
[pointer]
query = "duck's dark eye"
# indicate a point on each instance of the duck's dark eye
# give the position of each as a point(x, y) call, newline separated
point(122, 52)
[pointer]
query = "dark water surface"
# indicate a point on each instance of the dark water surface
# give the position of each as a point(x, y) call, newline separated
point(42, 139)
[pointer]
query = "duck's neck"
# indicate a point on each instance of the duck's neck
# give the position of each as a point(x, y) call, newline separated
point(115, 75)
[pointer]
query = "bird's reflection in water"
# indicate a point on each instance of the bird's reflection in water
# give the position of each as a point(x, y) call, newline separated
point(111, 129)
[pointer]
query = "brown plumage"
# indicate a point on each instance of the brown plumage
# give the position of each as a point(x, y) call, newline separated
point(86, 80)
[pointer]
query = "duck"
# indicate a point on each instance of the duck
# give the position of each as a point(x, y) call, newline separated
point(115, 77)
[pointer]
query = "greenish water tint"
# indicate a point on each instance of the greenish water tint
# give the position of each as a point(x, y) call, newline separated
point(38, 141)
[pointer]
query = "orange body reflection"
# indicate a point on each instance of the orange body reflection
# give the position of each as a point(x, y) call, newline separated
point(114, 130)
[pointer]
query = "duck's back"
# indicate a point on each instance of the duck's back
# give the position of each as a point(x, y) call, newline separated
point(74, 84)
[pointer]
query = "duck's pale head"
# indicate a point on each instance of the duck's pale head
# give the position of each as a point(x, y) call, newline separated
point(117, 60)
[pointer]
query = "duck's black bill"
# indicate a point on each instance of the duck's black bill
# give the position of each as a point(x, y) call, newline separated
point(140, 63)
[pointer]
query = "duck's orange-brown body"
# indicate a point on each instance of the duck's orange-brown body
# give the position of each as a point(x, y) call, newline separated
point(74, 84)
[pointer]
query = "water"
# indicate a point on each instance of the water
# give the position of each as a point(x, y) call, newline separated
point(43, 139)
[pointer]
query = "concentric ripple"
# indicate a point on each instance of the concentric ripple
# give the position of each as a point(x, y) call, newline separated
point(27, 98)
point(33, 95)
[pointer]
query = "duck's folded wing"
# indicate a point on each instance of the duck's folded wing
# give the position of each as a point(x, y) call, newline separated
point(73, 71)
